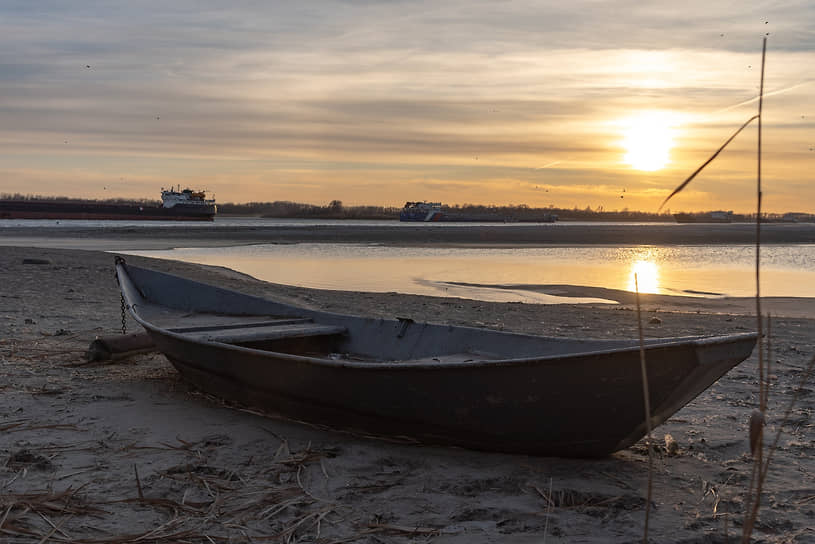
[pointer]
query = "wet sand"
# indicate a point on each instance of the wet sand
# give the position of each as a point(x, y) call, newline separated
point(126, 448)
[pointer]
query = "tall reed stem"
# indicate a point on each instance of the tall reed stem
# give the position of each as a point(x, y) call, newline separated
point(756, 478)
point(647, 401)
point(762, 384)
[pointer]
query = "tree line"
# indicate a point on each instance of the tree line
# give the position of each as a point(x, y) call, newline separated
point(337, 210)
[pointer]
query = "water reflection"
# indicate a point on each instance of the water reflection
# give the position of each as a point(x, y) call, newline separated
point(645, 276)
point(519, 274)
point(643, 265)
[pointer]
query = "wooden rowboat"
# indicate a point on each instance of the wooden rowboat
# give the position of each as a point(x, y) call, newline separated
point(440, 384)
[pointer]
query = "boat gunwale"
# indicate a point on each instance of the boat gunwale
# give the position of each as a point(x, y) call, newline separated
point(654, 343)
point(629, 346)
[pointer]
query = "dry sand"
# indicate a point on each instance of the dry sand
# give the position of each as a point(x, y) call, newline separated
point(126, 452)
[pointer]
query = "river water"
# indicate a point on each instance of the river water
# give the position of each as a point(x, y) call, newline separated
point(713, 270)
point(707, 271)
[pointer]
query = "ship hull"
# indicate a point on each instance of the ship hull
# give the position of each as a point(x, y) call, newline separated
point(713, 217)
point(27, 209)
point(420, 217)
point(441, 217)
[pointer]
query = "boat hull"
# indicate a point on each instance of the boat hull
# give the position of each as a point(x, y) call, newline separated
point(509, 408)
point(448, 217)
point(421, 216)
point(702, 218)
point(28, 209)
point(575, 398)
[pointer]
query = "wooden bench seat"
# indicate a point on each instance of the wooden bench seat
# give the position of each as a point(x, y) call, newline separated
point(242, 324)
point(260, 332)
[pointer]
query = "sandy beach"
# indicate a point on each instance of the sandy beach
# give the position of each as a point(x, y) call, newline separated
point(124, 451)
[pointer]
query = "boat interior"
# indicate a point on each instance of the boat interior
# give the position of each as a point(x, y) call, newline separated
point(204, 313)
point(359, 339)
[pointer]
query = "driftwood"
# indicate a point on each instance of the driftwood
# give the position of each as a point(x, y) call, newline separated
point(106, 348)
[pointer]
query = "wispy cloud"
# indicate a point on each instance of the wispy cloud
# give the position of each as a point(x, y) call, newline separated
point(468, 93)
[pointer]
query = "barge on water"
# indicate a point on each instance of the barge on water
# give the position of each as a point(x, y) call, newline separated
point(176, 205)
point(709, 217)
point(432, 212)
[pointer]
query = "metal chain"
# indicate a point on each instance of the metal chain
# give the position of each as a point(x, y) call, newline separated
point(124, 316)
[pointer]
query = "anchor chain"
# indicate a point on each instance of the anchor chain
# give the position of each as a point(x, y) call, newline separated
point(124, 315)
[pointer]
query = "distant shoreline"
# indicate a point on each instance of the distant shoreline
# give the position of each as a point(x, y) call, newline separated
point(336, 210)
point(435, 235)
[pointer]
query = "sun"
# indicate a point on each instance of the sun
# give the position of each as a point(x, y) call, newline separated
point(648, 139)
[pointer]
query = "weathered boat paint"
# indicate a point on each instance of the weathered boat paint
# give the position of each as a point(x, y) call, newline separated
point(441, 384)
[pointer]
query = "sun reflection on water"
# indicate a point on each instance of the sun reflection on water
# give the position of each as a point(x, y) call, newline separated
point(511, 274)
point(647, 276)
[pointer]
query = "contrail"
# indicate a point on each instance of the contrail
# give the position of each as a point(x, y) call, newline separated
point(553, 163)
point(755, 99)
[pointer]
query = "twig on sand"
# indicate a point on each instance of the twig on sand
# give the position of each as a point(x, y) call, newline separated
point(54, 527)
point(275, 508)
point(620, 481)
point(192, 508)
point(544, 496)
point(317, 517)
point(10, 426)
point(138, 482)
point(15, 427)
point(41, 504)
point(377, 527)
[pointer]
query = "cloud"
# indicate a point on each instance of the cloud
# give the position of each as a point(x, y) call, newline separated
point(471, 87)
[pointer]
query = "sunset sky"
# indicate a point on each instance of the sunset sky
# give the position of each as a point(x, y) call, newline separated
point(580, 103)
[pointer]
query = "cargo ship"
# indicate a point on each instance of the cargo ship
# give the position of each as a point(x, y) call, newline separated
point(421, 211)
point(176, 205)
point(710, 217)
point(434, 212)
